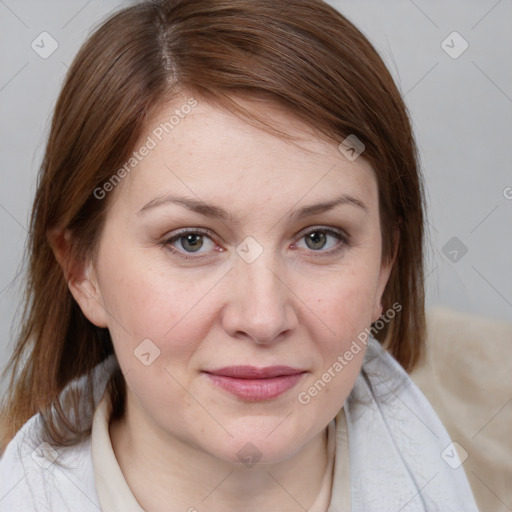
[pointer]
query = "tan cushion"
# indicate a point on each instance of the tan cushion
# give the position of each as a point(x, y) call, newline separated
point(467, 376)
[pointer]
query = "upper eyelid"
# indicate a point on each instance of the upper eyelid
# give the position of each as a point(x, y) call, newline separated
point(329, 229)
point(186, 231)
point(302, 232)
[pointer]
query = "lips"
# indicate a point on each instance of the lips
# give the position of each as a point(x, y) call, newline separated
point(251, 372)
point(254, 384)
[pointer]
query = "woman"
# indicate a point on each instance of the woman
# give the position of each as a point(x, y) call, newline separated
point(226, 285)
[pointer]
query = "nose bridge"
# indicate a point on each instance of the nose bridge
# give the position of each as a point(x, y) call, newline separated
point(261, 306)
point(264, 285)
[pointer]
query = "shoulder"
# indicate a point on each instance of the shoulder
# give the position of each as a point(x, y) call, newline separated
point(34, 476)
point(398, 446)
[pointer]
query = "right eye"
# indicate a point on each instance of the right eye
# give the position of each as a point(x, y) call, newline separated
point(187, 242)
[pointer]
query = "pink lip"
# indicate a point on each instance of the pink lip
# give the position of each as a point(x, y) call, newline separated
point(254, 384)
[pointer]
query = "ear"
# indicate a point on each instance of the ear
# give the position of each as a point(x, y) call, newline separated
point(80, 276)
point(385, 271)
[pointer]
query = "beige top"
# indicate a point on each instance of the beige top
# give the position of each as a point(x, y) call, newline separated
point(115, 495)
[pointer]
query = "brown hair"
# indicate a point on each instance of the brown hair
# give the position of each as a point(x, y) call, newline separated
point(301, 54)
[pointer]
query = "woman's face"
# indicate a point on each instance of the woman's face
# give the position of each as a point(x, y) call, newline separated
point(233, 270)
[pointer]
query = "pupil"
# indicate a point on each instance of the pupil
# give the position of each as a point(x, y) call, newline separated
point(315, 240)
point(193, 242)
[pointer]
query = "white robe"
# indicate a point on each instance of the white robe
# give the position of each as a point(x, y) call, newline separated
point(401, 457)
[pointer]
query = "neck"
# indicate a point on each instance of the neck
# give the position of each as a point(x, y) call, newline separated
point(165, 473)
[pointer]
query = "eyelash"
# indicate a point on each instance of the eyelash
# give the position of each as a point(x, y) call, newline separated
point(343, 238)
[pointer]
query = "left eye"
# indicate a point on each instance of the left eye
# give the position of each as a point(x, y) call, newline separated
point(321, 240)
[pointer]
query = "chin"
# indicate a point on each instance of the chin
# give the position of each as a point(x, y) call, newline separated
point(259, 442)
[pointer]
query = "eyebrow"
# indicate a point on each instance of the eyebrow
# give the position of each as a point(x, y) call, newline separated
point(211, 210)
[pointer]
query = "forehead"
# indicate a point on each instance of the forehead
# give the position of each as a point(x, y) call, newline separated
point(209, 153)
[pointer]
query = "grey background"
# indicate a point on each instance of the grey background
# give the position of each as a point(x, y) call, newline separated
point(461, 110)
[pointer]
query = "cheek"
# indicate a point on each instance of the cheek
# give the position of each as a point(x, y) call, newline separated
point(344, 309)
point(160, 320)
point(148, 301)
point(345, 305)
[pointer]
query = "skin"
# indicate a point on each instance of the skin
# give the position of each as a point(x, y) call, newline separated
point(294, 305)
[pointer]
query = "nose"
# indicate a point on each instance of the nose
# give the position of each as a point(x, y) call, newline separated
point(260, 304)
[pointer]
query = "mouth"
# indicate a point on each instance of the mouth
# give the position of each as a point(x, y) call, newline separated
point(256, 384)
